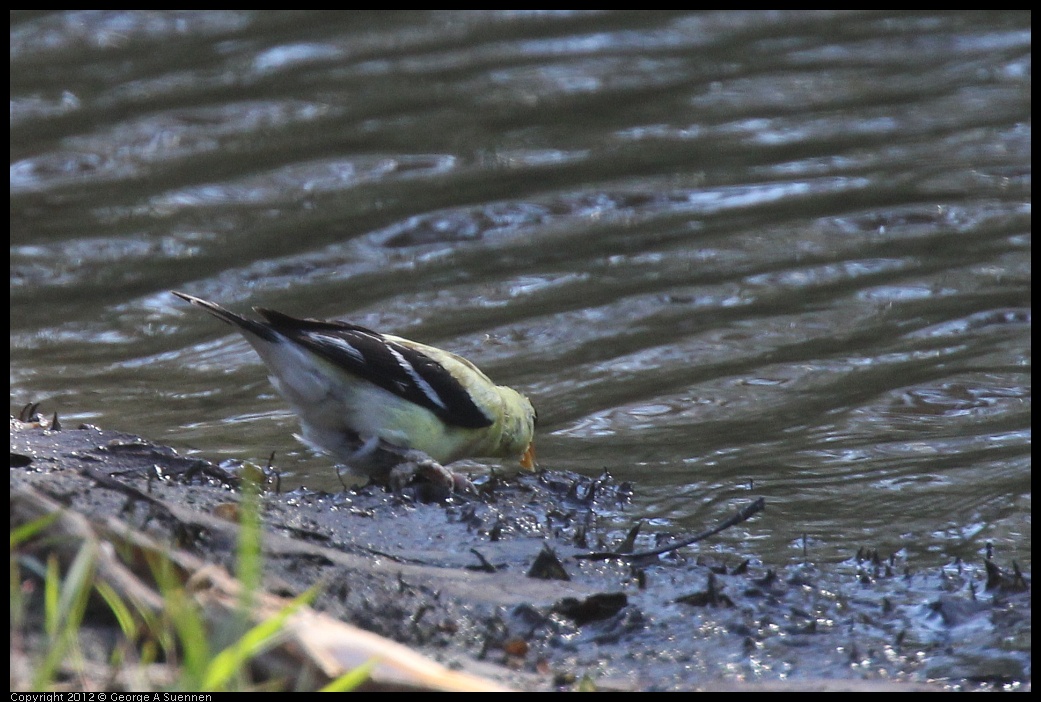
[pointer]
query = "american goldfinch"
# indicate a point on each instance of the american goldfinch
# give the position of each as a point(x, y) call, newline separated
point(373, 400)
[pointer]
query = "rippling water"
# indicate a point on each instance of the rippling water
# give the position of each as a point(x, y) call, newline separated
point(728, 255)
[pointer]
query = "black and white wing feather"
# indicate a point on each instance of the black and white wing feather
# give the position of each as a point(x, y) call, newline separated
point(402, 370)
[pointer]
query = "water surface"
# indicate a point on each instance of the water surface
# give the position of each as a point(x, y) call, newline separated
point(728, 255)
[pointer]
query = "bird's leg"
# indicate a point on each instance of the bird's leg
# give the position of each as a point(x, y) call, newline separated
point(364, 453)
point(417, 465)
point(397, 467)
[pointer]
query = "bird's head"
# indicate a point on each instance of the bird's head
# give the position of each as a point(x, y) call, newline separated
point(518, 427)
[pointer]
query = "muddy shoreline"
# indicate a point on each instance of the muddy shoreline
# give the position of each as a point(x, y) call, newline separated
point(493, 585)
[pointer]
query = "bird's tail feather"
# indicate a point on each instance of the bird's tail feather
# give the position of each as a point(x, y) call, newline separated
point(252, 326)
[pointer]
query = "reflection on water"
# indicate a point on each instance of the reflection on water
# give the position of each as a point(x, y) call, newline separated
point(728, 255)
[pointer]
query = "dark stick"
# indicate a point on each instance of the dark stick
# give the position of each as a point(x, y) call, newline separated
point(741, 516)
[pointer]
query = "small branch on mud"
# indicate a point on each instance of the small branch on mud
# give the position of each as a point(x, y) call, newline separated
point(741, 516)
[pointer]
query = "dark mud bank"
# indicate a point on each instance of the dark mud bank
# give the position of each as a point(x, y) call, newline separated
point(497, 583)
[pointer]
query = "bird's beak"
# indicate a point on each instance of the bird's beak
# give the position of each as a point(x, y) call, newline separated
point(527, 461)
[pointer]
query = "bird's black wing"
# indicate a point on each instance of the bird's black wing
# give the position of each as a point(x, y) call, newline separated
point(398, 369)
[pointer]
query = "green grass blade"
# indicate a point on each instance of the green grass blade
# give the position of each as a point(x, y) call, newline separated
point(352, 679)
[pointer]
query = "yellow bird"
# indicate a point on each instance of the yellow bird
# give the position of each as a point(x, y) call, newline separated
point(372, 400)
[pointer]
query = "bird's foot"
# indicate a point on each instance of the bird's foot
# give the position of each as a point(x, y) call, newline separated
point(431, 480)
point(402, 470)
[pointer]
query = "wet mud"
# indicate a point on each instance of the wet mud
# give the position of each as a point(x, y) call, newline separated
point(522, 585)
